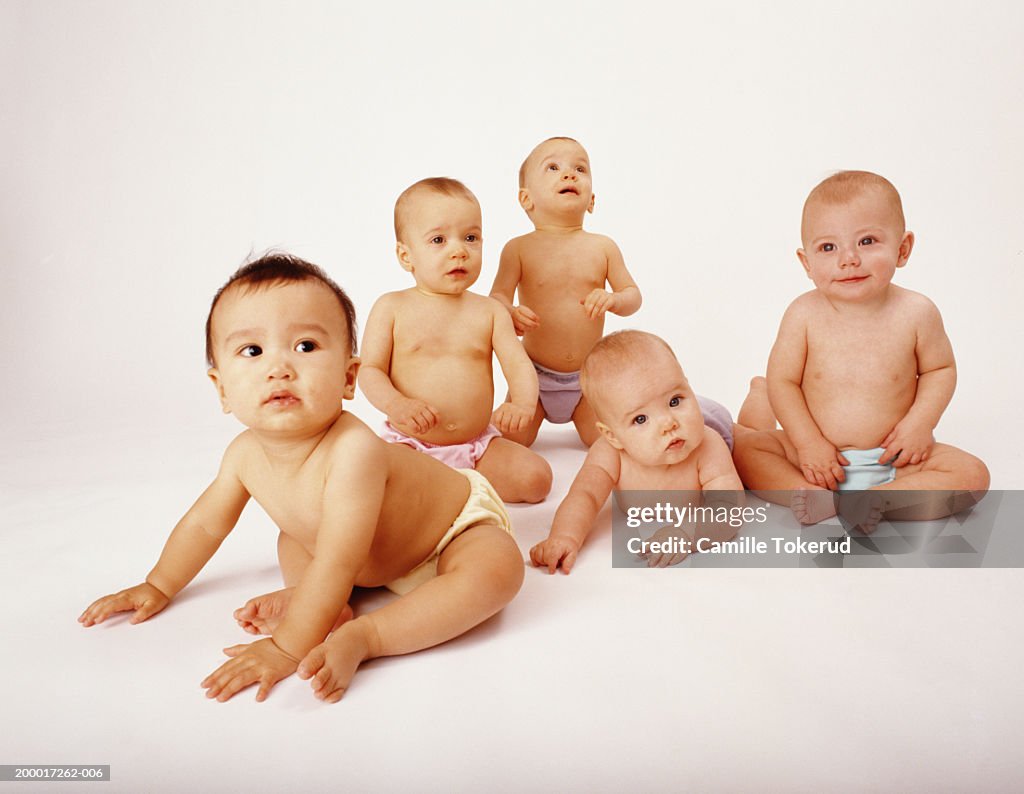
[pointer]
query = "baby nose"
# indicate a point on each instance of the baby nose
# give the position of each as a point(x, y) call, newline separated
point(280, 368)
point(669, 423)
point(851, 257)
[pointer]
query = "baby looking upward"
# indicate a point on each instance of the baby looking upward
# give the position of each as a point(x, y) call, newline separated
point(427, 350)
point(652, 438)
point(861, 370)
point(560, 272)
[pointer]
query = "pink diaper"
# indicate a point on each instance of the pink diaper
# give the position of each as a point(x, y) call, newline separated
point(458, 456)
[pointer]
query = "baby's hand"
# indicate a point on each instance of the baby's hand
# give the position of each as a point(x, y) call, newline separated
point(822, 464)
point(509, 418)
point(261, 662)
point(597, 303)
point(907, 443)
point(678, 550)
point(554, 552)
point(413, 415)
point(524, 319)
point(145, 599)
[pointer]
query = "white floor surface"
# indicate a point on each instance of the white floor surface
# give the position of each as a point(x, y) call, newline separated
point(605, 680)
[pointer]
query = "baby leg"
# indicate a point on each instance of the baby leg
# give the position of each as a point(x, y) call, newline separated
point(948, 481)
point(478, 574)
point(586, 422)
point(756, 412)
point(517, 473)
point(766, 463)
point(528, 434)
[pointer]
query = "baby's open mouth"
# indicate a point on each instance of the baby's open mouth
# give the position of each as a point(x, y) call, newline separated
point(458, 271)
point(676, 443)
point(281, 398)
point(565, 190)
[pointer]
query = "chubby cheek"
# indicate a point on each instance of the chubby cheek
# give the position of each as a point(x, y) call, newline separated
point(647, 448)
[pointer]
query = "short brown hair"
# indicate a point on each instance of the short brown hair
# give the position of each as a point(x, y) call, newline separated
point(435, 184)
point(843, 186)
point(529, 157)
point(273, 269)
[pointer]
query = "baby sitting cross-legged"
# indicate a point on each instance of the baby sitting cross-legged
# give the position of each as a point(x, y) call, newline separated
point(859, 375)
point(652, 438)
point(427, 350)
point(351, 509)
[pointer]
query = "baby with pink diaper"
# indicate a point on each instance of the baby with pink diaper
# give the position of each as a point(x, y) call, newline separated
point(427, 350)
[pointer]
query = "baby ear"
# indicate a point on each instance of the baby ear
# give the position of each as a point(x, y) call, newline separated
point(525, 201)
point(609, 436)
point(802, 256)
point(350, 377)
point(590, 207)
point(214, 377)
point(906, 246)
point(404, 258)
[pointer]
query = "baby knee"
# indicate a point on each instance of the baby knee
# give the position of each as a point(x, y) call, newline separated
point(537, 481)
point(976, 476)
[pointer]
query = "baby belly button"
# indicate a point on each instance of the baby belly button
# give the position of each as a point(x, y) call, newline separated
point(450, 426)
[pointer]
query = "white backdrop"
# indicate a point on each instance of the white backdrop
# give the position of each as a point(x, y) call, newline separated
point(148, 148)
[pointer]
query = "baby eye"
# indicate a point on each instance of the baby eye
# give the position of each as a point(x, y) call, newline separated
point(640, 419)
point(437, 240)
point(306, 346)
point(581, 169)
point(472, 238)
point(674, 402)
point(552, 167)
point(251, 351)
point(867, 241)
point(827, 248)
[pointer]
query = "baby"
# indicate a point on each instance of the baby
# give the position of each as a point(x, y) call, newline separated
point(560, 272)
point(427, 350)
point(860, 372)
point(352, 510)
point(652, 438)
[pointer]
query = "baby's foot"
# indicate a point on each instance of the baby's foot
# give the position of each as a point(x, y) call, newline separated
point(332, 664)
point(861, 510)
point(263, 614)
point(810, 506)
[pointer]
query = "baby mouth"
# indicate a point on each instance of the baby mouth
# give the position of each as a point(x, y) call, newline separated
point(852, 280)
point(281, 398)
point(676, 444)
point(459, 271)
point(571, 190)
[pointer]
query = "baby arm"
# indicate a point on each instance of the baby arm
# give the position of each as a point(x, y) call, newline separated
point(720, 487)
point(720, 484)
point(911, 440)
point(510, 271)
point(575, 516)
point(821, 463)
point(193, 541)
point(405, 413)
point(624, 298)
point(352, 499)
point(515, 414)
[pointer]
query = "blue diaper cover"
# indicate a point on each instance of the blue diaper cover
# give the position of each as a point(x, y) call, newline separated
point(865, 471)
